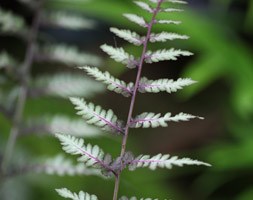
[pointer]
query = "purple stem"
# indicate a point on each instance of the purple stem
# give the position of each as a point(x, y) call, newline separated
point(137, 82)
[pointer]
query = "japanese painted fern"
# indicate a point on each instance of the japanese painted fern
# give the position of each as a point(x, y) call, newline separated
point(93, 156)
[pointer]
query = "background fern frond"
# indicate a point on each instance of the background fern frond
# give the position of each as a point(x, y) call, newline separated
point(77, 128)
point(164, 36)
point(65, 85)
point(153, 120)
point(128, 35)
point(69, 55)
point(162, 161)
point(170, 1)
point(89, 155)
point(144, 6)
point(136, 19)
point(6, 60)
point(59, 124)
point(10, 22)
point(135, 198)
point(164, 85)
point(112, 83)
point(70, 21)
point(161, 55)
point(119, 55)
point(64, 192)
point(61, 166)
point(106, 120)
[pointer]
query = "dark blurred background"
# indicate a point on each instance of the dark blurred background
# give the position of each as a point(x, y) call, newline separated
point(221, 35)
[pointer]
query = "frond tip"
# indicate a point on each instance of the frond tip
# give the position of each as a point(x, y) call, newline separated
point(112, 83)
point(162, 161)
point(153, 120)
point(106, 120)
point(89, 155)
point(163, 85)
point(64, 192)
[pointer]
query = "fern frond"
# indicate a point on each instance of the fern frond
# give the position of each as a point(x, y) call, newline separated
point(164, 36)
point(144, 6)
point(65, 85)
point(70, 21)
point(77, 128)
point(6, 60)
point(162, 161)
point(163, 85)
point(113, 83)
point(135, 198)
point(119, 55)
point(106, 120)
point(136, 19)
point(127, 35)
point(64, 192)
point(59, 124)
point(70, 55)
point(153, 120)
point(89, 155)
point(161, 55)
point(168, 22)
point(10, 22)
point(59, 165)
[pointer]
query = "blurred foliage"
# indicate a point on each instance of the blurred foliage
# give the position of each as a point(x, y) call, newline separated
point(221, 33)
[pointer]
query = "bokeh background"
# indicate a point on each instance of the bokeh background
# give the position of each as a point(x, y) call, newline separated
point(221, 36)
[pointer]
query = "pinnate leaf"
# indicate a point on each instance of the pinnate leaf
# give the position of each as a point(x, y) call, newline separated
point(161, 55)
point(106, 120)
point(162, 161)
point(163, 85)
point(89, 155)
point(147, 120)
point(112, 83)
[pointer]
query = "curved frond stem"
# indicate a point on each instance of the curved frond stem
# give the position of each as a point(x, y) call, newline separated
point(137, 81)
point(23, 90)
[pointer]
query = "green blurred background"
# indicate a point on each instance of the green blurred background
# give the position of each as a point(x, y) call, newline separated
point(221, 36)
